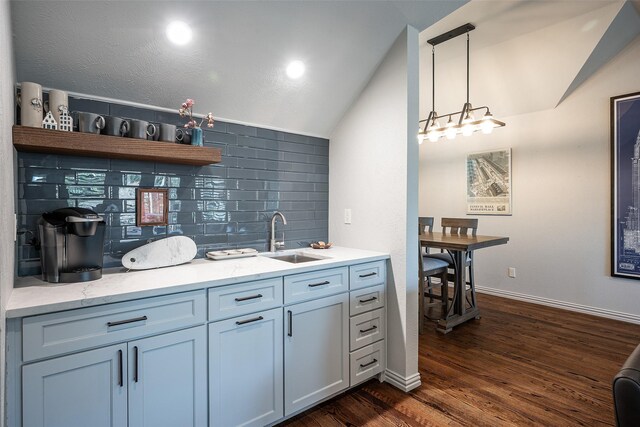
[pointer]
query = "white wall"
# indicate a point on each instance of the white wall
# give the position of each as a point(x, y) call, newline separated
point(7, 226)
point(560, 239)
point(373, 160)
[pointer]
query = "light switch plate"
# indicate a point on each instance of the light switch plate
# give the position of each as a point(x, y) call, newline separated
point(347, 216)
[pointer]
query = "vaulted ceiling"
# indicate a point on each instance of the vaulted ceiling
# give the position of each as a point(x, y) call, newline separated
point(526, 55)
point(235, 64)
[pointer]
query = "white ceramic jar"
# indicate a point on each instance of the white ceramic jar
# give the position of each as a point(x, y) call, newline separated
point(30, 101)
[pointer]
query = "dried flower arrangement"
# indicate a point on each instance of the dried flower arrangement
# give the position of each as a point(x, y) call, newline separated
point(187, 111)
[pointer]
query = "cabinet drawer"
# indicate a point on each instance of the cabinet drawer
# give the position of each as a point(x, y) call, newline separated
point(368, 274)
point(366, 299)
point(366, 362)
point(316, 284)
point(366, 328)
point(68, 331)
point(236, 300)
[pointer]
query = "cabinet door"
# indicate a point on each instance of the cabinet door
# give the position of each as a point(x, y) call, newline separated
point(84, 389)
point(316, 351)
point(245, 369)
point(168, 380)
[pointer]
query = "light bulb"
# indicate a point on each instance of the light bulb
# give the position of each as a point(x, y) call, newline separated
point(467, 129)
point(433, 136)
point(486, 125)
point(421, 137)
point(450, 131)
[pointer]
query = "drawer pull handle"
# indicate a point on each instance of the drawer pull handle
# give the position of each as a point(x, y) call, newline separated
point(313, 285)
point(120, 368)
point(124, 322)
point(362, 276)
point(364, 331)
point(248, 298)
point(366, 365)
point(243, 322)
point(135, 364)
point(368, 300)
point(290, 314)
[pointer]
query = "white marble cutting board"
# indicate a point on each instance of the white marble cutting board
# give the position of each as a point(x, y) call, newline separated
point(161, 253)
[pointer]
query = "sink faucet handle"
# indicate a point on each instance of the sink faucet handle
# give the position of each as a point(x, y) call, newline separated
point(280, 244)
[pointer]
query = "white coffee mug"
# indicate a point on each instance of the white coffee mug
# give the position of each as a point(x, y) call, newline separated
point(30, 102)
point(58, 102)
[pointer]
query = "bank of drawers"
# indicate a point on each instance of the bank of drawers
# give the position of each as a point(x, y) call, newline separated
point(367, 320)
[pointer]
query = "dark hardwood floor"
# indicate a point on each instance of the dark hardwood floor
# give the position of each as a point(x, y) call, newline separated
point(521, 364)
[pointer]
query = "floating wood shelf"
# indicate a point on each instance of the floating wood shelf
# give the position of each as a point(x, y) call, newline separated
point(113, 147)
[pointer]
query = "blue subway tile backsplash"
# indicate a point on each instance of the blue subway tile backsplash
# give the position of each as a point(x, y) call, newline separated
point(225, 205)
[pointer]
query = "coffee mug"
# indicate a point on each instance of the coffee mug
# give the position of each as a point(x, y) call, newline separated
point(30, 102)
point(115, 126)
point(183, 137)
point(90, 122)
point(57, 103)
point(167, 132)
point(141, 129)
point(155, 134)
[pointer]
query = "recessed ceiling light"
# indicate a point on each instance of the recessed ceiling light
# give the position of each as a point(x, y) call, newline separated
point(295, 69)
point(179, 33)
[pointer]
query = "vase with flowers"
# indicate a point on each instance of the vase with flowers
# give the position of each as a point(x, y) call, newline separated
point(186, 110)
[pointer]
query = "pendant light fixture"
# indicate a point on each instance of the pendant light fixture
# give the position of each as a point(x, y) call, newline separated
point(465, 122)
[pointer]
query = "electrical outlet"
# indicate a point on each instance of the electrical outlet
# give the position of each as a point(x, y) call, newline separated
point(347, 216)
point(511, 272)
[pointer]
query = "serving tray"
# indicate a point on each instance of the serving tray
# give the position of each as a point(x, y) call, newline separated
point(231, 254)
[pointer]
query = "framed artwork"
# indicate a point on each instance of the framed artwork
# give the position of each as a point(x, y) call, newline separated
point(152, 206)
point(625, 180)
point(489, 182)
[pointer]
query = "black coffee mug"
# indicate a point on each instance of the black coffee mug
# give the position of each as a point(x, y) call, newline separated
point(183, 137)
point(90, 122)
point(141, 129)
point(115, 126)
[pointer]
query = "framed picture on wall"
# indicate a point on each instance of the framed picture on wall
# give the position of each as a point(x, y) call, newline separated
point(152, 206)
point(489, 182)
point(625, 179)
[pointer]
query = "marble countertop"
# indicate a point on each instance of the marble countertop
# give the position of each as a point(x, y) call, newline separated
point(32, 296)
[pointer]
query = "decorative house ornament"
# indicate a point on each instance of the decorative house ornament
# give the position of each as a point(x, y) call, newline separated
point(66, 121)
point(49, 122)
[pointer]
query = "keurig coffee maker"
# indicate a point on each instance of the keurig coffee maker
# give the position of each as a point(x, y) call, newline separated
point(72, 245)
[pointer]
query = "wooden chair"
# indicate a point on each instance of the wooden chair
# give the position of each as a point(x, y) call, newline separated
point(466, 227)
point(429, 268)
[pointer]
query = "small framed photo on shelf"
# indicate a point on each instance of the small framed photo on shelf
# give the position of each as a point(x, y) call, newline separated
point(152, 207)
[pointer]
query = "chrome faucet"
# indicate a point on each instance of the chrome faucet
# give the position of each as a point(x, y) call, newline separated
point(273, 245)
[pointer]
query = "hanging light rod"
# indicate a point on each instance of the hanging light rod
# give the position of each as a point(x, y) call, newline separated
point(466, 123)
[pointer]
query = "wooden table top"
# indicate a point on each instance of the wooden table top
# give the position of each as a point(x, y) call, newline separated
point(457, 242)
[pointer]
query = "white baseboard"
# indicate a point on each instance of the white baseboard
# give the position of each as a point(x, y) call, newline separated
point(601, 312)
point(404, 384)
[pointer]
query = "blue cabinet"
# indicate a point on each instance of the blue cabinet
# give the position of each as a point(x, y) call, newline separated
point(167, 380)
point(316, 351)
point(246, 369)
point(84, 389)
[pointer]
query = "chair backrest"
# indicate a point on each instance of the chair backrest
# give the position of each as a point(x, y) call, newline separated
point(425, 224)
point(460, 226)
point(626, 392)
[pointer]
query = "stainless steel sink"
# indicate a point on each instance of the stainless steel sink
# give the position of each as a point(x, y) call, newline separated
point(295, 258)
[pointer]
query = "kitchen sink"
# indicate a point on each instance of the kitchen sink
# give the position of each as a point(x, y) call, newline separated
point(295, 258)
